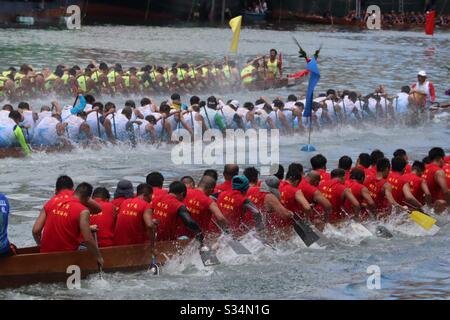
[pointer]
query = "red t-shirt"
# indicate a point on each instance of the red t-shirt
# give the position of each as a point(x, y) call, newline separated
point(158, 192)
point(118, 201)
point(308, 190)
point(288, 200)
point(356, 189)
point(105, 222)
point(408, 168)
point(130, 226)
point(446, 169)
point(165, 209)
point(333, 190)
point(62, 226)
point(429, 176)
point(397, 182)
point(257, 198)
point(324, 176)
point(415, 185)
point(63, 195)
point(197, 203)
point(231, 203)
point(447, 159)
point(226, 186)
point(375, 187)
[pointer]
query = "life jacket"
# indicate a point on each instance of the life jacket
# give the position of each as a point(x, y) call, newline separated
point(112, 76)
point(82, 82)
point(247, 74)
point(273, 67)
point(50, 81)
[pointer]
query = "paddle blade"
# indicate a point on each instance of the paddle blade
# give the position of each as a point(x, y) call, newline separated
point(383, 232)
point(422, 219)
point(238, 247)
point(305, 233)
point(308, 148)
point(208, 257)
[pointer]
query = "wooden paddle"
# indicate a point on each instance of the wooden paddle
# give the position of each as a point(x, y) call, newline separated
point(100, 269)
point(154, 268)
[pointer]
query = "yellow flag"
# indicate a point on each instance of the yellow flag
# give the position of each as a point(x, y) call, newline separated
point(235, 25)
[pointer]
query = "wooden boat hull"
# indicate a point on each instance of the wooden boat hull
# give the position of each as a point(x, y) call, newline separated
point(29, 266)
point(16, 152)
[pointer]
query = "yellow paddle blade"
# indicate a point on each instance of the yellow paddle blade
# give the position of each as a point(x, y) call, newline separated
point(422, 219)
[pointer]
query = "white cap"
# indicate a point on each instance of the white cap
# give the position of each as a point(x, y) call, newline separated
point(235, 103)
point(422, 73)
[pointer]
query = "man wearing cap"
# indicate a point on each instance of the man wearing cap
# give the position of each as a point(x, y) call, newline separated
point(234, 204)
point(232, 118)
point(214, 120)
point(123, 191)
point(424, 86)
point(267, 200)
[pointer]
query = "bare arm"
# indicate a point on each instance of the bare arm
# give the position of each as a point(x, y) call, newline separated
point(409, 197)
point(353, 201)
point(300, 198)
point(39, 226)
point(272, 203)
point(441, 181)
point(89, 240)
point(426, 192)
point(324, 202)
point(370, 203)
point(257, 216)
point(220, 218)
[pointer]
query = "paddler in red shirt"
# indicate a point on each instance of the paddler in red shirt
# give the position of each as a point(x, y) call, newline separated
point(375, 155)
point(381, 190)
point(202, 207)
point(156, 181)
point(309, 186)
point(402, 153)
point(234, 205)
point(170, 211)
point(252, 175)
point(415, 189)
point(396, 180)
point(345, 163)
point(104, 220)
point(437, 180)
point(124, 190)
point(292, 196)
point(319, 164)
point(267, 200)
point(63, 191)
point(229, 171)
point(337, 193)
point(361, 193)
point(65, 221)
point(189, 182)
point(363, 163)
point(134, 224)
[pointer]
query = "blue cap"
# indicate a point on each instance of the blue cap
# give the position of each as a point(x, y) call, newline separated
point(240, 183)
